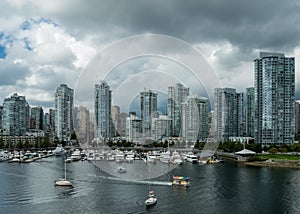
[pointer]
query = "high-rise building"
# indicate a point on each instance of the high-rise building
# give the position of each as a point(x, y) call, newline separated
point(104, 127)
point(195, 119)
point(133, 128)
point(274, 95)
point(211, 123)
point(115, 116)
point(82, 124)
point(15, 116)
point(64, 112)
point(92, 126)
point(160, 127)
point(228, 114)
point(1, 116)
point(297, 118)
point(176, 95)
point(122, 125)
point(37, 116)
point(148, 109)
point(250, 112)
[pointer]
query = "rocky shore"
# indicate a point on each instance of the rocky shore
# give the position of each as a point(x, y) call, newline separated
point(292, 164)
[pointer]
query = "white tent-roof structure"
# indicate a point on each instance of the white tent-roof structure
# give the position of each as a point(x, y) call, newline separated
point(245, 152)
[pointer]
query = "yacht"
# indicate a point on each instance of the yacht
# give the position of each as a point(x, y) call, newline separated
point(76, 156)
point(59, 150)
point(190, 157)
point(129, 158)
point(119, 156)
point(165, 157)
point(176, 158)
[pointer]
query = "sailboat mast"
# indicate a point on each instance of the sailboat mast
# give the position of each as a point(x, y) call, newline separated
point(65, 171)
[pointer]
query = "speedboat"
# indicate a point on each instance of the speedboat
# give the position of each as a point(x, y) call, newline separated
point(151, 200)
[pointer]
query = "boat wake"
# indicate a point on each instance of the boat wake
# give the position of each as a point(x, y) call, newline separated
point(156, 183)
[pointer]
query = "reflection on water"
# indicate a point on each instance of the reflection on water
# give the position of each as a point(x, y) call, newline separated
point(220, 188)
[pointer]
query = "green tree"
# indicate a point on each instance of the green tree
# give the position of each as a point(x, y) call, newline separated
point(73, 136)
point(273, 150)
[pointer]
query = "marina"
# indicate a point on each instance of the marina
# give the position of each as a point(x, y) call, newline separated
point(215, 188)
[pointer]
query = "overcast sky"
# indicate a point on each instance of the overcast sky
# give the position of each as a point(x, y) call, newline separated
point(45, 43)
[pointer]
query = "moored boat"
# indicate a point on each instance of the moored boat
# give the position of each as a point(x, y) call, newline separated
point(190, 157)
point(59, 150)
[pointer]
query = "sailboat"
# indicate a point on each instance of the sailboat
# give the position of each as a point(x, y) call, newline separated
point(151, 200)
point(64, 181)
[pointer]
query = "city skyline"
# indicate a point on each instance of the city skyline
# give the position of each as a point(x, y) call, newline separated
point(42, 44)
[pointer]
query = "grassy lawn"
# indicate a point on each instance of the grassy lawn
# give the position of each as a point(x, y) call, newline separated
point(279, 156)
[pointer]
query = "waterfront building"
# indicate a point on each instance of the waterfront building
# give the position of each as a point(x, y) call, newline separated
point(297, 118)
point(1, 115)
point(274, 91)
point(148, 100)
point(122, 125)
point(115, 116)
point(160, 127)
point(104, 127)
point(133, 128)
point(176, 95)
point(194, 119)
point(228, 113)
point(64, 112)
point(250, 112)
point(211, 123)
point(37, 116)
point(92, 126)
point(82, 124)
point(15, 116)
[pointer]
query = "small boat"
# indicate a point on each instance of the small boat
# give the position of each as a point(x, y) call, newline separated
point(181, 181)
point(151, 200)
point(64, 181)
point(121, 170)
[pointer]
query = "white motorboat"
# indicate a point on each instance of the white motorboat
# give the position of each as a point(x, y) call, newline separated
point(129, 158)
point(119, 156)
point(176, 158)
point(151, 158)
point(190, 157)
point(64, 181)
point(76, 155)
point(59, 150)
point(165, 157)
point(151, 200)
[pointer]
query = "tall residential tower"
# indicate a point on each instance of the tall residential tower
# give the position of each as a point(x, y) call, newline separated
point(148, 108)
point(176, 95)
point(104, 126)
point(274, 85)
point(228, 114)
point(64, 112)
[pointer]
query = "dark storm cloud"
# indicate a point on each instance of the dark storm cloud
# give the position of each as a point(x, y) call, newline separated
point(247, 24)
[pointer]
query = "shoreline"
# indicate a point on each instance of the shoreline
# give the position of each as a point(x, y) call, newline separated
point(289, 164)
